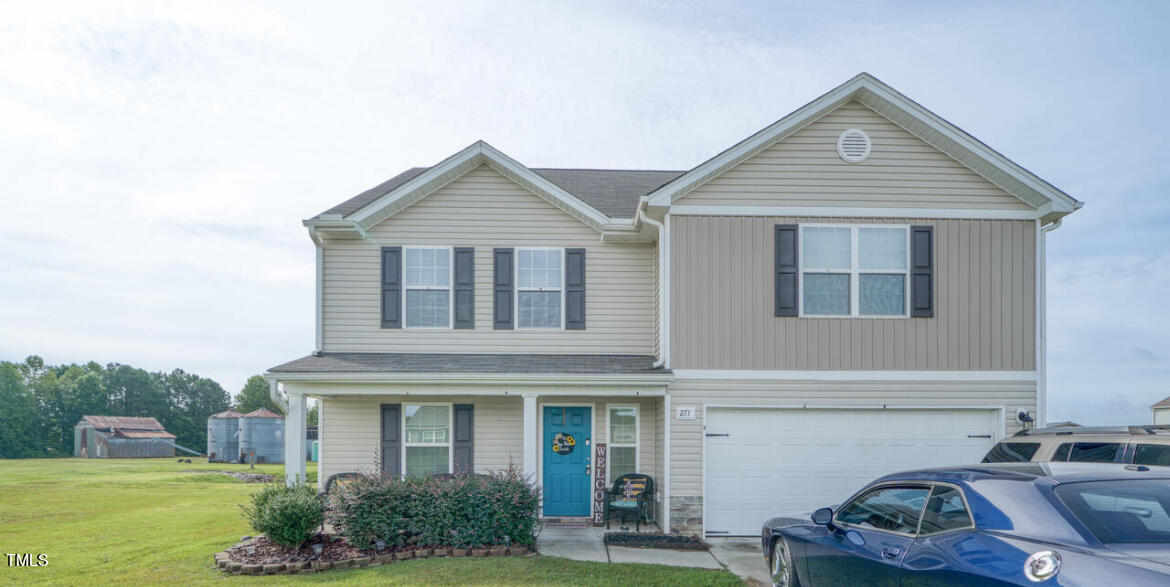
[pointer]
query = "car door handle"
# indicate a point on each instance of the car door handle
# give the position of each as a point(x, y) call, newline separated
point(891, 553)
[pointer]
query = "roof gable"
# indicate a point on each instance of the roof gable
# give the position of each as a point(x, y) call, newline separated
point(399, 193)
point(903, 112)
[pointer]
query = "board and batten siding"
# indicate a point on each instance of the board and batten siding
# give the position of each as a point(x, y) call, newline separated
point(804, 169)
point(483, 209)
point(722, 307)
point(686, 449)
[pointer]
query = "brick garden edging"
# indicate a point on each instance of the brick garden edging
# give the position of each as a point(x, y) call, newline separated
point(224, 561)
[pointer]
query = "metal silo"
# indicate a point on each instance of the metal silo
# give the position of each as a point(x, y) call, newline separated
point(262, 436)
point(223, 440)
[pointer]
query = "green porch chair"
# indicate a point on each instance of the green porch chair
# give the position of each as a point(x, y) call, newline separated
point(637, 500)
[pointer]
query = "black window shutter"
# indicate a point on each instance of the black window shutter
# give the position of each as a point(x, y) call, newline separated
point(464, 287)
point(392, 440)
point(922, 271)
point(574, 289)
point(464, 436)
point(787, 246)
point(502, 289)
point(391, 287)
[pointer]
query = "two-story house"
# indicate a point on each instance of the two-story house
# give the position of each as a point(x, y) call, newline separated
point(853, 290)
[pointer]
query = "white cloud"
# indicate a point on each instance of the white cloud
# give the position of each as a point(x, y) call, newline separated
point(159, 157)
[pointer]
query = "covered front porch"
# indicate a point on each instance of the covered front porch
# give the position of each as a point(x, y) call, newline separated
point(572, 433)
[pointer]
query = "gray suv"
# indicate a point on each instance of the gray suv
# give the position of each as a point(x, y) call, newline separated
point(1137, 445)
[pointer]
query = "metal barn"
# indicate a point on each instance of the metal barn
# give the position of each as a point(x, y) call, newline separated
point(262, 437)
point(118, 437)
point(223, 437)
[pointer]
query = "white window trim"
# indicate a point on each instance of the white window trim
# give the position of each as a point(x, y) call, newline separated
point(518, 289)
point(612, 444)
point(853, 272)
point(450, 434)
point(450, 287)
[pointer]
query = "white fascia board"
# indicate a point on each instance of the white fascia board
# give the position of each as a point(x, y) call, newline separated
point(769, 375)
point(862, 87)
point(848, 212)
point(464, 161)
point(542, 379)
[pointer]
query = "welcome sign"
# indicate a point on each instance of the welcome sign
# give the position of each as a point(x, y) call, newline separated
point(599, 465)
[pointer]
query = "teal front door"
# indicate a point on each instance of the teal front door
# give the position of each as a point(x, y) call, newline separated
point(566, 454)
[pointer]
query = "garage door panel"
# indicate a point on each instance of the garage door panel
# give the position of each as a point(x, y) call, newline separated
point(789, 462)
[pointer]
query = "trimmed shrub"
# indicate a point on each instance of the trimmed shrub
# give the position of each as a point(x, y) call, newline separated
point(288, 516)
point(464, 511)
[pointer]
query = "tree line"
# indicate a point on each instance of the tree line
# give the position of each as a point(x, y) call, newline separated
point(40, 404)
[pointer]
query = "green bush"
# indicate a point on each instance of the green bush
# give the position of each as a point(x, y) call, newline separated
point(288, 516)
point(467, 511)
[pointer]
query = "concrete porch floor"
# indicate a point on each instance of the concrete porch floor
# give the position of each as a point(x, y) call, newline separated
point(740, 556)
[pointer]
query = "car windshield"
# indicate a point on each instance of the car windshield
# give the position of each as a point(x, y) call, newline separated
point(1121, 511)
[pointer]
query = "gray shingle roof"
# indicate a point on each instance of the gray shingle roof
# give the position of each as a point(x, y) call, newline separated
point(1162, 404)
point(615, 192)
point(470, 363)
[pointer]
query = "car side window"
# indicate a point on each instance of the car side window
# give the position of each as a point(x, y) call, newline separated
point(1094, 452)
point(1011, 452)
point(945, 510)
point(1061, 453)
point(1152, 454)
point(892, 508)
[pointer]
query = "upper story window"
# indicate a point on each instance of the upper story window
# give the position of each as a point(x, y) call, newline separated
point(427, 279)
point(539, 288)
point(854, 270)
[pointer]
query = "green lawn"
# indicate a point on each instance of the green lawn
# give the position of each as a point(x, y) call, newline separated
point(146, 521)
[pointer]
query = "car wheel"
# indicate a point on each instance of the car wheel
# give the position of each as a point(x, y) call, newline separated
point(783, 575)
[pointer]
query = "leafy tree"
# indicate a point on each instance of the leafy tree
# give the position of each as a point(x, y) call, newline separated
point(254, 396)
point(19, 420)
point(312, 416)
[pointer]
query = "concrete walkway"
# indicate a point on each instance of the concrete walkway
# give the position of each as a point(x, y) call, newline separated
point(741, 556)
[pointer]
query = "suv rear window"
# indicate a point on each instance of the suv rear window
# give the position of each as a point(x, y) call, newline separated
point(1012, 452)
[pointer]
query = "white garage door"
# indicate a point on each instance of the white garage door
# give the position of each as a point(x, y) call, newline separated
point(763, 462)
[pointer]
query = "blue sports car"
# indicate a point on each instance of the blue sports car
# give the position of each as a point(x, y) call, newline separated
point(1011, 524)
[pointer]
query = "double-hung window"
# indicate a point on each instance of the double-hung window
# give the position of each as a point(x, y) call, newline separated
point(428, 439)
point(623, 440)
point(428, 287)
point(540, 288)
point(854, 270)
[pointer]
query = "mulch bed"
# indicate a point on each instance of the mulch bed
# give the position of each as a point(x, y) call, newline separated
point(245, 477)
point(261, 556)
point(639, 540)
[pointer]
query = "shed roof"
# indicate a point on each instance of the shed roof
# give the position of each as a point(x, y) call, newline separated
point(118, 432)
point(262, 413)
point(124, 422)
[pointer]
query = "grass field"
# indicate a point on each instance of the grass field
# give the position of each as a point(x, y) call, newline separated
point(150, 521)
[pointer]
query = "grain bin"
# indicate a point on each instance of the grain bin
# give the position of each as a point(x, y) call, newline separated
point(223, 437)
point(262, 436)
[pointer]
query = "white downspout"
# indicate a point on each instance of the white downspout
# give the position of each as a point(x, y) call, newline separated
point(1042, 329)
point(274, 394)
point(663, 335)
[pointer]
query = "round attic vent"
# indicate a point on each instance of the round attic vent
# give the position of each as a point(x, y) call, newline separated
point(853, 145)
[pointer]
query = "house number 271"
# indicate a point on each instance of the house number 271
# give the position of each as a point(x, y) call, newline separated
point(686, 413)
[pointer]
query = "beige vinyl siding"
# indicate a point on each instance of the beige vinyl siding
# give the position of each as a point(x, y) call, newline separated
point(350, 437)
point(686, 450)
point(484, 210)
point(723, 310)
point(657, 306)
point(804, 169)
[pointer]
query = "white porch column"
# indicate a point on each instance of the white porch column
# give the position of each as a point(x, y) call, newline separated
point(294, 439)
point(530, 440)
point(666, 465)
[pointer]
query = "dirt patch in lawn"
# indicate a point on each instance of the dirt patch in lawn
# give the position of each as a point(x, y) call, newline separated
point(639, 540)
point(245, 477)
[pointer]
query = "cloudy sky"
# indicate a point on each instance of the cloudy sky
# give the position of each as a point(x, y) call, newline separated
point(158, 160)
